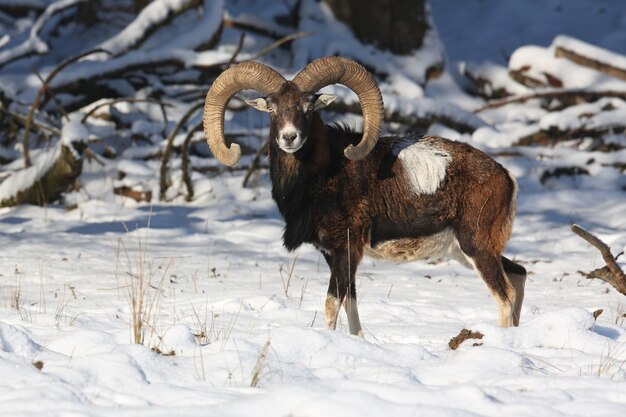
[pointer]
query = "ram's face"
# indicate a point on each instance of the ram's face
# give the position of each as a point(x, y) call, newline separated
point(291, 113)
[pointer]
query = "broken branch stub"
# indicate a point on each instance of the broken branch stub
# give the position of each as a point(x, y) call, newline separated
point(611, 273)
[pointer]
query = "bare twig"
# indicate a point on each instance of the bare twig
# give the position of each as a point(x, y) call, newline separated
point(163, 183)
point(251, 27)
point(255, 162)
point(40, 93)
point(279, 42)
point(125, 100)
point(186, 162)
point(611, 273)
point(21, 118)
point(54, 97)
point(233, 58)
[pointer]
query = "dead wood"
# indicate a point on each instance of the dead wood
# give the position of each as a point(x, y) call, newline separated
point(164, 181)
point(186, 162)
point(463, 335)
point(256, 28)
point(153, 25)
point(59, 178)
point(112, 102)
point(413, 121)
point(521, 76)
point(34, 45)
point(567, 96)
point(136, 195)
point(484, 86)
point(256, 162)
point(562, 171)
point(39, 95)
point(611, 273)
point(279, 42)
point(585, 61)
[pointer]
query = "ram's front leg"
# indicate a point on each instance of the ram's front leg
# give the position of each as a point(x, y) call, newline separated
point(342, 289)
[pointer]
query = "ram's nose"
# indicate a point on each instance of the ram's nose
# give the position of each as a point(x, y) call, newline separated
point(289, 137)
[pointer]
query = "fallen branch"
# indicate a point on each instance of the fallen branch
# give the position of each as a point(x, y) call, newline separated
point(581, 53)
point(611, 273)
point(39, 95)
point(255, 162)
point(186, 162)
point(420, 120)
point(279, 42)
point(164, 182)
point(573, 96)
point(55, 174)
point(463, 335)
point(33, 44)
point(115, 101)
point(260, 28)
point(152, 17)
point(136, 195)
point(21, 118)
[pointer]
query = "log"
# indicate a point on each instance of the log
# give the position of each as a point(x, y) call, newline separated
point(416, 120)
point(155, 15)
point(590, 56)
point(59, 177)
point(34, 44)
point(611, 273)
point(567, 96)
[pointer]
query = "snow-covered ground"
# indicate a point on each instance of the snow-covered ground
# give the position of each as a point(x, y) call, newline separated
point(237, 322)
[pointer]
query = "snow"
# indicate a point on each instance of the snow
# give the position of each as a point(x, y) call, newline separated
point(223, 284)
point(233, 335)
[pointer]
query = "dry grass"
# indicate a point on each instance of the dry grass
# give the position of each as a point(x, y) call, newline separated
point(260, 364)
point(288, 282)
point(144, 287)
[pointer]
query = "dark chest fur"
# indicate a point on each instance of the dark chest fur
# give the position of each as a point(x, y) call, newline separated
point(302, 186)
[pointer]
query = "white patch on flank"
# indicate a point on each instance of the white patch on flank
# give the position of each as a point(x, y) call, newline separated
point(424, 163)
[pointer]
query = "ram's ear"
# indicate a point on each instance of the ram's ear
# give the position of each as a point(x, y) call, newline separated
point(323, 100)
point(259, 104)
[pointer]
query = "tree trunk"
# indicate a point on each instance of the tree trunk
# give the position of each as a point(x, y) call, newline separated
point(396, 25)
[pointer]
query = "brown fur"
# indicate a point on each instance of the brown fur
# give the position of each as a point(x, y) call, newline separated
point(350, 208)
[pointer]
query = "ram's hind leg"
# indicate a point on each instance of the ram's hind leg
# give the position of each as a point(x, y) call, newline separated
point(490, 269)
point(517, 277)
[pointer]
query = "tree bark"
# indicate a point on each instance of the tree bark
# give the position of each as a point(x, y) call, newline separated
point(396, 25)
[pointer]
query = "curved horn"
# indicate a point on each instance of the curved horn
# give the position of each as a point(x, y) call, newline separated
point(248, 75)
point(338, 70)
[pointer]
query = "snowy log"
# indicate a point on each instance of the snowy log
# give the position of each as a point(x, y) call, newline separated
point(34, 44)
point(611, 273)
point(568, 97)
point(416, 114)
point(54, 172)
point(491, 81)
point(537, 67)
point(590, 56)
point(159, 13)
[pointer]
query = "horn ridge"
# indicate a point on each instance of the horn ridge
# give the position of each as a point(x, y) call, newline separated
point(247, 75)
point(338, 70)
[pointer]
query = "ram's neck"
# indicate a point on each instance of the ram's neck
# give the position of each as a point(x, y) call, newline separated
point(295, 177)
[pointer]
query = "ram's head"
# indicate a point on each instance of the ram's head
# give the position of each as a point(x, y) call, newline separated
point(292, 103)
